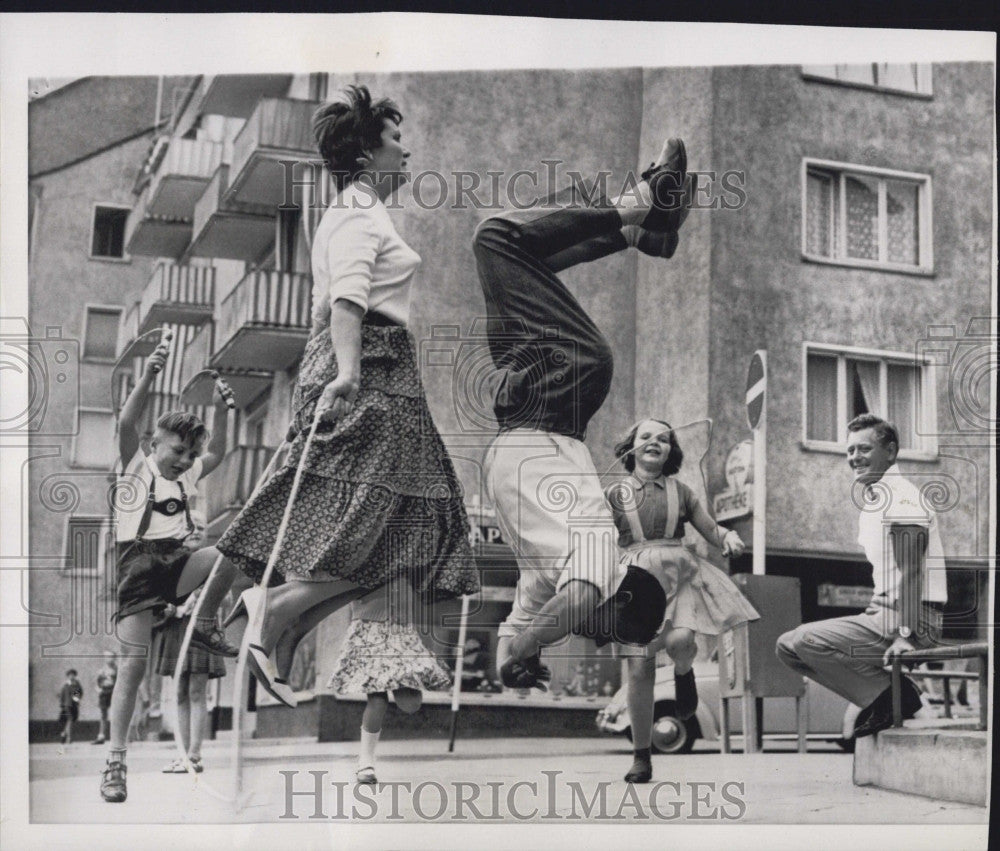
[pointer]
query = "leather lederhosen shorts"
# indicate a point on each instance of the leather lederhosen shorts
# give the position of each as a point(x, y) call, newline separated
point(148, 573)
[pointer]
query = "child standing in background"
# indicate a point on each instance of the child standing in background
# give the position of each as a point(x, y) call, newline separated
point(192, 685)
point(70, 696)
point(105, 686)
point(382, 652)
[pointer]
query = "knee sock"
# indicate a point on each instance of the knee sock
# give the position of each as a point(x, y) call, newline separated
point(366, 756)
point(645, 754)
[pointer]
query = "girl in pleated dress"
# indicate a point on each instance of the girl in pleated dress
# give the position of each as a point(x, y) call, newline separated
point(651, 507)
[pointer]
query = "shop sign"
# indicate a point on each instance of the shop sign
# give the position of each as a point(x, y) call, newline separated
point(737, 499)
point(843, 596)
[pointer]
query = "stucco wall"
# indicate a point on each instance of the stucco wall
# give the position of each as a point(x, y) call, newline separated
point(765, 120)
point(63, 279)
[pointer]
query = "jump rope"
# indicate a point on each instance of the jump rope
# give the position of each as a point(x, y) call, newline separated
point(256, 617)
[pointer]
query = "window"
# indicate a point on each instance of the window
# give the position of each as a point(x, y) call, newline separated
point(89, 543)
point(100, 333)
point(909, 78)
point(94, 444)
point(841, 383)
point(857, 216)
point(108, 237)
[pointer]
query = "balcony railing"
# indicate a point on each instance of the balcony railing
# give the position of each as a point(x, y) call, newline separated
point(181, 176)
point(237, 95)
point(276, 137)
point(228, 229)
point(229, 486)
point(199, 388)
point(177, 294)
point(154, 236)
point(264, 321)
point(157, 404)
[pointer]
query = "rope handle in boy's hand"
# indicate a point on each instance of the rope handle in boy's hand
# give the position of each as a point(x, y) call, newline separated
point(165, 337)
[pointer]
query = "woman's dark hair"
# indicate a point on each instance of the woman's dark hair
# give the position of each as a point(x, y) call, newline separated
point(345, 130)
point(674, 457)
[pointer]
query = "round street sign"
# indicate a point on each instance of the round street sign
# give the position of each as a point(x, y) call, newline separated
point(756, 383)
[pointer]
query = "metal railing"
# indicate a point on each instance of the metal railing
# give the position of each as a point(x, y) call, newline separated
point(190, 285)
point(267, 298)
point(979, 650)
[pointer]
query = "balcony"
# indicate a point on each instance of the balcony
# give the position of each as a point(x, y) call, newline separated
point(229, 229)
point(279, 130)
point(264, 322)
point(199, 386)
point(236, 95)
point(229, 485)
point(184, 295)
point(148, 235)
point(180, 172)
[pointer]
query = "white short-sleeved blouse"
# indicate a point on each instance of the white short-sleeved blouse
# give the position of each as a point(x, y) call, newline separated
point(358, 256)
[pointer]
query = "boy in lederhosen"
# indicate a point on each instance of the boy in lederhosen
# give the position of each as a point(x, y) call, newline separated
point(157, 564)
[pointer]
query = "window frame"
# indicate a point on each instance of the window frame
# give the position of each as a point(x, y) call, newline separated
point(107, 258)
point(925, 424)
point(79, 465)
point(838, 213)
point(106, 525)
point(105, 308)
point(873, 87)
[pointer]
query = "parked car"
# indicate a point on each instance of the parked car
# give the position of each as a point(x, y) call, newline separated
point(831, 718)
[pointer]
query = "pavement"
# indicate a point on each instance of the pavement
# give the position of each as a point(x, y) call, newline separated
point(497, 781)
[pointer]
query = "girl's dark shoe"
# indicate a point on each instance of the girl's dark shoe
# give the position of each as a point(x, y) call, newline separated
point(641, 770)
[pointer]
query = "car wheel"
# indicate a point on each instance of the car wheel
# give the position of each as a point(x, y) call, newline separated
point(670, 733)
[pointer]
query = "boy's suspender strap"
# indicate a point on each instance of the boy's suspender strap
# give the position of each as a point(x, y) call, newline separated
point(147, 512)
point(187, 509)
point(673, 497)
point(632, 515)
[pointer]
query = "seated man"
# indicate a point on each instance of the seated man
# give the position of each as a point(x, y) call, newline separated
point(553, 372)
point(899, 534)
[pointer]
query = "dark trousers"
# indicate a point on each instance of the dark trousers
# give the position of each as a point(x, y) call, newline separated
point(553, 365)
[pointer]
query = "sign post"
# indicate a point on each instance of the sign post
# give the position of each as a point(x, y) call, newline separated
point(757, 418)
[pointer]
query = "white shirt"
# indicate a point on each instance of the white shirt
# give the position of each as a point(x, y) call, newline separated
point(893, 499)
point(358, 256)
point(129, 510)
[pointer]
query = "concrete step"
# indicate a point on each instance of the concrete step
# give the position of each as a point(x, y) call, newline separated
point(946, 762)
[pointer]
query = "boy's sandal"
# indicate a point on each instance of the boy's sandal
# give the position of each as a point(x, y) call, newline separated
point(176, 767)
point(366, 775)
point(196, 764)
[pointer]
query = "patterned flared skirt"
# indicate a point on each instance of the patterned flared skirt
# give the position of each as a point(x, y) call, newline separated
point(378, 498)
point(700, 597)
point(385, 655)
point(167, 644)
